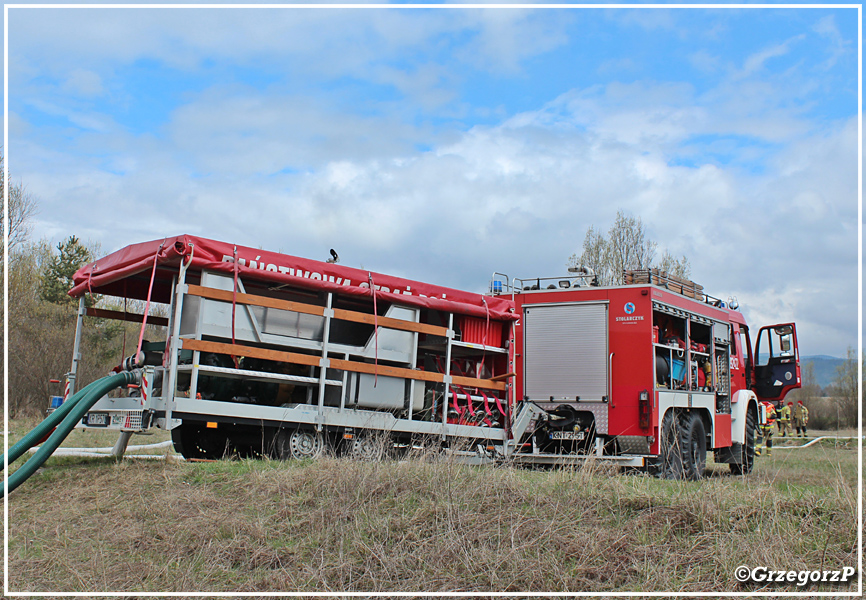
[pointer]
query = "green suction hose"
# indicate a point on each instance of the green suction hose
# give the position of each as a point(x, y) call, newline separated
point(46, 426)
point(90, 395)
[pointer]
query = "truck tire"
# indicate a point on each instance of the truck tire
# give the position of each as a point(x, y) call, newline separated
point(748, 457)
point(693, 441)
point(669, 463)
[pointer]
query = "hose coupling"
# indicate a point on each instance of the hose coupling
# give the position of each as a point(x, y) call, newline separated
point(140, 360)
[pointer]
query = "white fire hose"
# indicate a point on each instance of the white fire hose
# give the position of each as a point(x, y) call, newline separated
point(817, 439)
point(107, 451)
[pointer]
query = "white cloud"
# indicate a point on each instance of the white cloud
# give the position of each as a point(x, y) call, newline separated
point(84, 83)
point(651, 20)
point(838, 45)
point(705, 61)
point(506, 37)
point(321, 42)
point(755, 62)
point(615, 65)
point(244, 132)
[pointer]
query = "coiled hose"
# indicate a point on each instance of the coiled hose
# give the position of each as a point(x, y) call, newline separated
point(88, 397)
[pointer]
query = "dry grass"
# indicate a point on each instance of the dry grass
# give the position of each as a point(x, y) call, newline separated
point(415, 525)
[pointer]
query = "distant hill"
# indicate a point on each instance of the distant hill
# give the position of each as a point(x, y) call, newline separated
point(825, 367)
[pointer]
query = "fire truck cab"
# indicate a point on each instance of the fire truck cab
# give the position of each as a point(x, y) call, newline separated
point(653, 368)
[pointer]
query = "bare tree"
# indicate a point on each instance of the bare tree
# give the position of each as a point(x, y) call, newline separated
point(678, 267)
point(625, 247)
point(844, 390)
point(43, 331)
point(594, 253)
point(19, 212)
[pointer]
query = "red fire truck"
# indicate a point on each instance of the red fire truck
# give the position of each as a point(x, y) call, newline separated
point(656, 369)
point(269, 354)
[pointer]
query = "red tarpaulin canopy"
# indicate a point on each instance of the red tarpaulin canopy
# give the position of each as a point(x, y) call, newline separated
point(126, 273)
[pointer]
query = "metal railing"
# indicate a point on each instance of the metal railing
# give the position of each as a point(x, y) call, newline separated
point(501, 284)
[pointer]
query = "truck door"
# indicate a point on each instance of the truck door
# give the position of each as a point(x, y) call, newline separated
point(777, 362)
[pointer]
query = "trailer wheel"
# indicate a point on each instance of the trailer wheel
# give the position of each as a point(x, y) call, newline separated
point(304, 443)
point(669, 464)
point(370, 446)
point(694, 444)
point(193, 441)
point(748, 457)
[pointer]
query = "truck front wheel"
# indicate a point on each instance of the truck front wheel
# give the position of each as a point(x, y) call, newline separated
point(748, 457)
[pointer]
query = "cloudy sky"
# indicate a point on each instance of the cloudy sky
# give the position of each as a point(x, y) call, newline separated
point(443, 144)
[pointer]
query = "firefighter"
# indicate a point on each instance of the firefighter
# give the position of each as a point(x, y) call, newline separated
point(801, 418)
point(765, 430)
point(785, 418)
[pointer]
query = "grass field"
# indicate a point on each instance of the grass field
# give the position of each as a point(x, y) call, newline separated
point(87, 525)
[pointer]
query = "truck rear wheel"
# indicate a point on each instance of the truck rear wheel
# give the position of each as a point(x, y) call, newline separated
point(669, 464)
point(693, 440)
point(748, 456)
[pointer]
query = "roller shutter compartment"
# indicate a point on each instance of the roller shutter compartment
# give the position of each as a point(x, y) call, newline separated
point(565, 352)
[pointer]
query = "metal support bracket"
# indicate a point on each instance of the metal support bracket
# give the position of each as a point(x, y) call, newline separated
point(120, 445)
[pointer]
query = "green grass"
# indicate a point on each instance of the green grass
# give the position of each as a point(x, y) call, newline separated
point(336, 525)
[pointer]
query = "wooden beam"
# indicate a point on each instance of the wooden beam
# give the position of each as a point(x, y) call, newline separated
point(104, 313)
point(504, 377)
point(339, 364)
point(384, 370)
point(487, 384)
point(263, 353)
point(254, 300)
point(311, 309)
point(390, 323)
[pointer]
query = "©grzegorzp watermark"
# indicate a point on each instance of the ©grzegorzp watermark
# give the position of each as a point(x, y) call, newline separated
point(802, 578)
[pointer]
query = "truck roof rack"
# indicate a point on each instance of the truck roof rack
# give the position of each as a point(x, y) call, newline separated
point(663, 279)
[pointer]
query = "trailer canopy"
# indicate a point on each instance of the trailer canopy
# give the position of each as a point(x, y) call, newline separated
point(126, 273)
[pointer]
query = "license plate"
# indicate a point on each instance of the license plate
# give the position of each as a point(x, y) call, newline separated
point(97, 419)
point(566, 435)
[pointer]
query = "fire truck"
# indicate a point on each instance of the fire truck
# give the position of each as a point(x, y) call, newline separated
point(266, 354)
